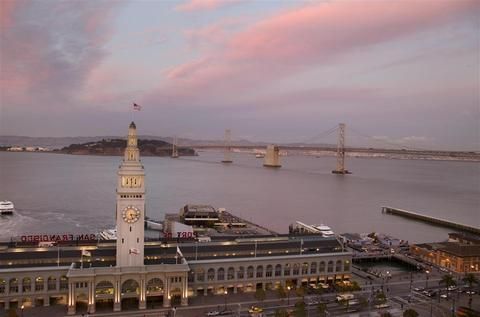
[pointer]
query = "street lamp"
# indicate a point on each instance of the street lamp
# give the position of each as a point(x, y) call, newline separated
point(22, 308)
point(288, 295)
point(427, 272)
point(226, 292)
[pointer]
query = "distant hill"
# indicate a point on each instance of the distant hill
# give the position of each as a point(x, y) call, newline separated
point(116, 147)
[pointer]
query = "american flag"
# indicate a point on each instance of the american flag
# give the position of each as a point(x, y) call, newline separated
point(137, 107)
point(133, 251)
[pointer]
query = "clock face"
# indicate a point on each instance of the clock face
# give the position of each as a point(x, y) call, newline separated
point(131, 214)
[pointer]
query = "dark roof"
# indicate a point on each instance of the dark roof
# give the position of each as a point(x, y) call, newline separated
point(454, 248)
point(132, 125)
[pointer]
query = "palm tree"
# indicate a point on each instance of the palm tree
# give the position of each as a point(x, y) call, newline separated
point(448, 280)
point(410, 313)
point(470, 279)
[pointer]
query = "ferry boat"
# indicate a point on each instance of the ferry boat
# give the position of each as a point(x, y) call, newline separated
point(6, 207)
point(325, 230)
point(108, 234)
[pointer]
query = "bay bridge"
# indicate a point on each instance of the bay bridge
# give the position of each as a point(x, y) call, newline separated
point(272, 152)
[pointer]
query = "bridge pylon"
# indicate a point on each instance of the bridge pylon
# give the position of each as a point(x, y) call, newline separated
point(175, 147)
point(341, 152)
point(227, 154)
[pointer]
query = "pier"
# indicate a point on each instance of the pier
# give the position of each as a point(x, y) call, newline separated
point(430, 219)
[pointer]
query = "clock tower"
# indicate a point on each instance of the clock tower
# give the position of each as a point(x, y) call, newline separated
point(130, 214)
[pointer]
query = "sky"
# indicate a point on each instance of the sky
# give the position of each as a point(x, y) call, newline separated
point(404, 73)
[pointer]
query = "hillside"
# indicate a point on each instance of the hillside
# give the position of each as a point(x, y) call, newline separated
point(116, 147)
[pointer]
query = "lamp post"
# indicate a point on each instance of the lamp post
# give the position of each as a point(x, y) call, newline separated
point(226, 293)
point(288, 295)
point(22, 308)
point(427, 272)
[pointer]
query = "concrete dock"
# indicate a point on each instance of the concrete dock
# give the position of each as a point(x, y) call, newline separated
point(431, 220)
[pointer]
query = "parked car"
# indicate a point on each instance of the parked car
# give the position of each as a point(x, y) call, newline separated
point(418, 289)
point(213, 313)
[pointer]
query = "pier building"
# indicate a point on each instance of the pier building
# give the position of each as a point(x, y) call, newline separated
point(133, 273)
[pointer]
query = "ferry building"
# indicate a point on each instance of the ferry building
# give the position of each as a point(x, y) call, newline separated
point(130, 273)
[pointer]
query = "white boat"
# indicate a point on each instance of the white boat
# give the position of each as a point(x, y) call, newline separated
point(325, 230)
point(6, 207)
point(108, 234)
point(259, 155)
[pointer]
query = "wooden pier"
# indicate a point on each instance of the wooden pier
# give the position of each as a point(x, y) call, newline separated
point(431, 220)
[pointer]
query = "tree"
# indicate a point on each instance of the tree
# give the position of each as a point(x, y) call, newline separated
point(470, 279)
point(322, 309)
point(410, 313)
point(300, 310)
point(281, 312)
point(12, 313)
point(260, 294)
point(281, 292)
point(300, 291)
point(380, 298)
point(448, 281)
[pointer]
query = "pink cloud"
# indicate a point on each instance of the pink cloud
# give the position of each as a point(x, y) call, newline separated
point(48, 51)
point(310, 36)
point(202, 5)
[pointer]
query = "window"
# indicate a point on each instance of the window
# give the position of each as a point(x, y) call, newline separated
point(51, 283)
point(201, 275)
point(259, 271)
point(26, 284)
point(286, 270)
point(269, 271)
point(230, 273)
point(241, 272)
point(330, 267)
point(304, 268)
point(13, 285)
point(39, 285)
point(313, 268)
point(278, 270)
point(63, 283)
point(221, 274)
point(296, 269)
point(211, 274)
point(321, 267)
point(2, 285)
point(338, 266)
point(250, 272)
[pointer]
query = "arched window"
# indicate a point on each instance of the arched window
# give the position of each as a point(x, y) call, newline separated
point(338, 266)
point(211, 274)
point(63, 283)
point(155, 286)
point(330, 267)
point(321, 267)
point(259, 271)
point(346, 265)
point(52, 283)
point(241, 272)
point(13, 285)
point(286, 270)
point(305, 268)
point(278, 270)
point(269, 271)
point(250, 272)
point(230, 273)
point(104, 288)
point(39, 283)
point(221, 274)
point(26, 284)
point(313, 268)
point(130, 287)
point(3, 283)
point(296, 269)
point(200, 275)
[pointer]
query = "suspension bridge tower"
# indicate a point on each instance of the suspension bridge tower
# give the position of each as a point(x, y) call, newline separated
point(341, 151)
point(227, 154)
point(175, 147)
